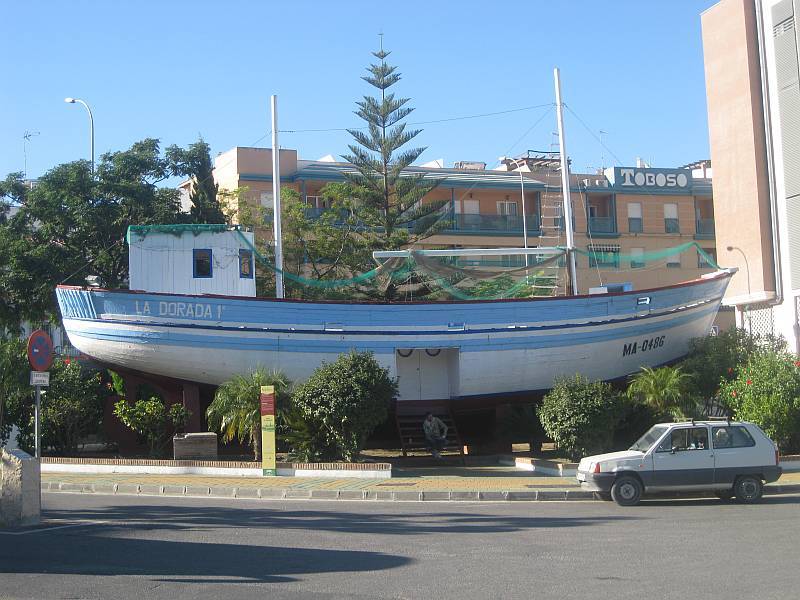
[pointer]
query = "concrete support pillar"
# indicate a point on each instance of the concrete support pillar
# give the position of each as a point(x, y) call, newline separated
point(20, 489)
point(191, 402)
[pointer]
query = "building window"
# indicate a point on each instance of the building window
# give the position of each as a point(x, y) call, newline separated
point(635, 217)
point(674, 261)
point(266, 200)
point(671, 224)
point(637, 258)
point(604, 256)
point(507, 208)
point(245, 264)
point(201, 263)
point(703, 263)
point(471, 207)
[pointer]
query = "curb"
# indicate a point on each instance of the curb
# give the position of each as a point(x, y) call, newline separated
point(257, 493)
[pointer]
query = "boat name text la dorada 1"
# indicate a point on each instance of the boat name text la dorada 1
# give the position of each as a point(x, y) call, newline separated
point(186, 310)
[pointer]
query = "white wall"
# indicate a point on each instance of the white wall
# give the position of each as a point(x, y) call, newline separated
point(163, 262)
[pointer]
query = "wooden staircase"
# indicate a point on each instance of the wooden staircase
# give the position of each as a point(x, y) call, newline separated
point(412, 437)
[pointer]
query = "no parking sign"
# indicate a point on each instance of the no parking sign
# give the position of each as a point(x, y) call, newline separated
point(40, 350)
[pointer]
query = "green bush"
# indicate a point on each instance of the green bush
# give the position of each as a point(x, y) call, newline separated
point(16, 395)
point(72, 406)
point(766, 391)
point(635, 419)
point(342, 403)
point(154, 422)
point(713, 359)
point(580, 415)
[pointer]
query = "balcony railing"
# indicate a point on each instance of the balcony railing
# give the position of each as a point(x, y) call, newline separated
point(492, 223)
point(462, 223)
point(705, 227)
point(602, 225)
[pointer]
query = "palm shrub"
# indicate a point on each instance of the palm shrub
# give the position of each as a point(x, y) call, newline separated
point(766, 391)
point(665, 390)
point(235, 411)
point(342, 403)
point(580, 415)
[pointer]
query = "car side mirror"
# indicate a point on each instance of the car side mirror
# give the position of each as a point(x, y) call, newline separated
point(674, 450)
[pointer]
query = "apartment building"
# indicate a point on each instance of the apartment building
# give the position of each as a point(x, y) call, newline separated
point(624, 213)
point(753, 90)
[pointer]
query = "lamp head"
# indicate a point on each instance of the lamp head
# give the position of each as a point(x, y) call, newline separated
point(729, 248)
point(69, 100)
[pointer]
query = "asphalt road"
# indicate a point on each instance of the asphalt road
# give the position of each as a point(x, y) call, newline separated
point(134, 547)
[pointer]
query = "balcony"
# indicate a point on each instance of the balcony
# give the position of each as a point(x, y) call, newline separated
point(492, 224)
point(466, 223)
point(705, 229)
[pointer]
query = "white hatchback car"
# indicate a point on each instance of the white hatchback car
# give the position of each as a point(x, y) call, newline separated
point(728, 458)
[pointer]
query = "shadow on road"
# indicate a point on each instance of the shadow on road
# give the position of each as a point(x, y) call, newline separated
point(184, 562)
point(176, 517)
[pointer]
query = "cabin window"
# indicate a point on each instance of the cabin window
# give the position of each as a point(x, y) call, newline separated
point(245, 264)
point(202, 263)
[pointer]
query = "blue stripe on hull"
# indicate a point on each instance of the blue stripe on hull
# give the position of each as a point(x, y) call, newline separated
point(296, 342)
point(83, 304)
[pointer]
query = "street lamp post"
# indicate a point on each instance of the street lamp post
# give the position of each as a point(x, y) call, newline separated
point(749, 292)
point(91, 123)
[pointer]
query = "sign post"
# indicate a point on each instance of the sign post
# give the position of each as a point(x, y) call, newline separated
point(40, 355)
point(267, 401)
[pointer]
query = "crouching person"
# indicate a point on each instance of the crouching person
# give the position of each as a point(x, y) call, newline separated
point(435, 434)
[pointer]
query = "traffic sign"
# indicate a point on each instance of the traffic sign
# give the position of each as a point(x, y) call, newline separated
point(40, 378)
point(40, 350)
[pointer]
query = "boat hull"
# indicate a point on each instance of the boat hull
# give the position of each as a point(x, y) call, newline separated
point(437, 350)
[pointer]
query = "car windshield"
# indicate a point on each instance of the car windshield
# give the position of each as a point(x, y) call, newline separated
point(644, 443)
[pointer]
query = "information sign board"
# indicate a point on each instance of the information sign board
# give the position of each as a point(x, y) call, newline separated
point(267, 400)
point(40, 378)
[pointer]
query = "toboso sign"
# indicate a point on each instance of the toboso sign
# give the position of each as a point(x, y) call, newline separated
point(654, 179)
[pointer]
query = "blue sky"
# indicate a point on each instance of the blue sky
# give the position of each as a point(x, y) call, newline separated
point(177, 70)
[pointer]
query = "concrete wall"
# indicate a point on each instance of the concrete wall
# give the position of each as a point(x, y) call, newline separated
point(738, 147)
point(20, 489)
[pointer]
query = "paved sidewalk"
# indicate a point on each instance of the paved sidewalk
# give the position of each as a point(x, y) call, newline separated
point(454, 484)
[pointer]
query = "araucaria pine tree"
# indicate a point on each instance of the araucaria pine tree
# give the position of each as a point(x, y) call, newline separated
point(384, 198)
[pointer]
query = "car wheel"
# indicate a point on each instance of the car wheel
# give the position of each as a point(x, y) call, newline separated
point(726, 495)
point(626, 491)
point(748, 489)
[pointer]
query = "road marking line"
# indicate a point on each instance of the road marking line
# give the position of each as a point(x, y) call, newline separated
point(81, 524)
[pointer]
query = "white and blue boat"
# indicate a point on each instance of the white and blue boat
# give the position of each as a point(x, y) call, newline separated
point(191, 315)
point(438, 350)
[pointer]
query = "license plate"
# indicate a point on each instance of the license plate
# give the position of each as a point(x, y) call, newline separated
point(581, 477)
